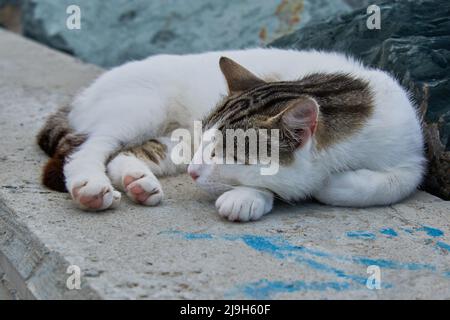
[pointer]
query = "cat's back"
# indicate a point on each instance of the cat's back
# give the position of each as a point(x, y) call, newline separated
point(203, 68)
point(196, 81)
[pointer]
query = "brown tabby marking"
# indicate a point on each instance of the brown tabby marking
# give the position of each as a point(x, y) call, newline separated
point(55, 128)
point(345, 105)
point(58, 141)
point(53, 173)
point(152, 150)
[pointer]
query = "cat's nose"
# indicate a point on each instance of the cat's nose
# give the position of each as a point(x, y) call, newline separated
point(194, 175)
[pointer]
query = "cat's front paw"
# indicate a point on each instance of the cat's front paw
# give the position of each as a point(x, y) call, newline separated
point(95, 195)
point(244, 204)
point(143, 189)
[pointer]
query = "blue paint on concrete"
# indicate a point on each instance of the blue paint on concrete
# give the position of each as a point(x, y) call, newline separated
point(443, 245)
point(432, 232)
point(265, 289)
point(325, 268)
point(361, 235)
point(320, 261)
point(280, 248)
point(194, 236)
point(391, 264)
point(389, 232)
point(190, 236)
point(410, 231)
point(275, 246)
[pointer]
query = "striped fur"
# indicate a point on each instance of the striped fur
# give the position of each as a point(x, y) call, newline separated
point(58, 141)
point(151, 150)
point(345, 102)
point(55, 128)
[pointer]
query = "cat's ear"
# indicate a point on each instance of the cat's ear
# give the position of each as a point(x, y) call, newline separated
point(300, 119)
point(238, 78)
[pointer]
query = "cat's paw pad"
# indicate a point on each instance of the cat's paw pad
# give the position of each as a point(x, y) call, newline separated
point(95, 196)
point(243, 205)
point(143, 189)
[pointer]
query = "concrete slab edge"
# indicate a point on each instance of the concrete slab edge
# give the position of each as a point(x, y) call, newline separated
point(31, 270)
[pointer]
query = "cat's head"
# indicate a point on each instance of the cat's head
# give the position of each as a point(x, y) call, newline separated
point(267, 116)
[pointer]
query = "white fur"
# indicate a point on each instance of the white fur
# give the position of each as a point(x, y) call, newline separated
point(381, 164)
point(124, 166)
point(244, 204)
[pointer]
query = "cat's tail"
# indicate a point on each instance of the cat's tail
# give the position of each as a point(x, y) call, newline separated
point(58, 141)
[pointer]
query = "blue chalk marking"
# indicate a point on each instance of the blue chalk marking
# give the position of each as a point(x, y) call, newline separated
point(313, 264)
point(280, 248)
point(276, 246)
point(262, 244)
point(361, 235)
point(194, 236)
point(390, 264)
point(190, 236)
point(432, 232)
point(443, 245)
point(389, 232)
point(265, 289)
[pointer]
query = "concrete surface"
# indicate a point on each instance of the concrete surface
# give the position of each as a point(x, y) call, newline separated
point(182, 249)
point(4, 294)
point(5, 291)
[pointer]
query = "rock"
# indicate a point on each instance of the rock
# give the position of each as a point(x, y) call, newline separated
point(4, 3)
point(115, 33)
point(10, 15)
point(414, 45)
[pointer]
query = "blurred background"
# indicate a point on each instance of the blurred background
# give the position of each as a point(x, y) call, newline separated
point(116, 31)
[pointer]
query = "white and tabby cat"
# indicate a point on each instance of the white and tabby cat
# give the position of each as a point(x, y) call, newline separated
point(349, 135)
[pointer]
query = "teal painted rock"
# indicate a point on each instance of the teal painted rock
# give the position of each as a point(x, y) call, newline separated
point(414, 45)
point(116, 31)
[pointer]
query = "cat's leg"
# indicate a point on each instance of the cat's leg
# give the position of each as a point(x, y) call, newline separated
point(111, 119)
point(85, 175)
point(244, 204)
point(364, 188)
point(134, 177)
point(134, 171)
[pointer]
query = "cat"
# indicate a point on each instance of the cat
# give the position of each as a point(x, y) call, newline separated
point(349, 135)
